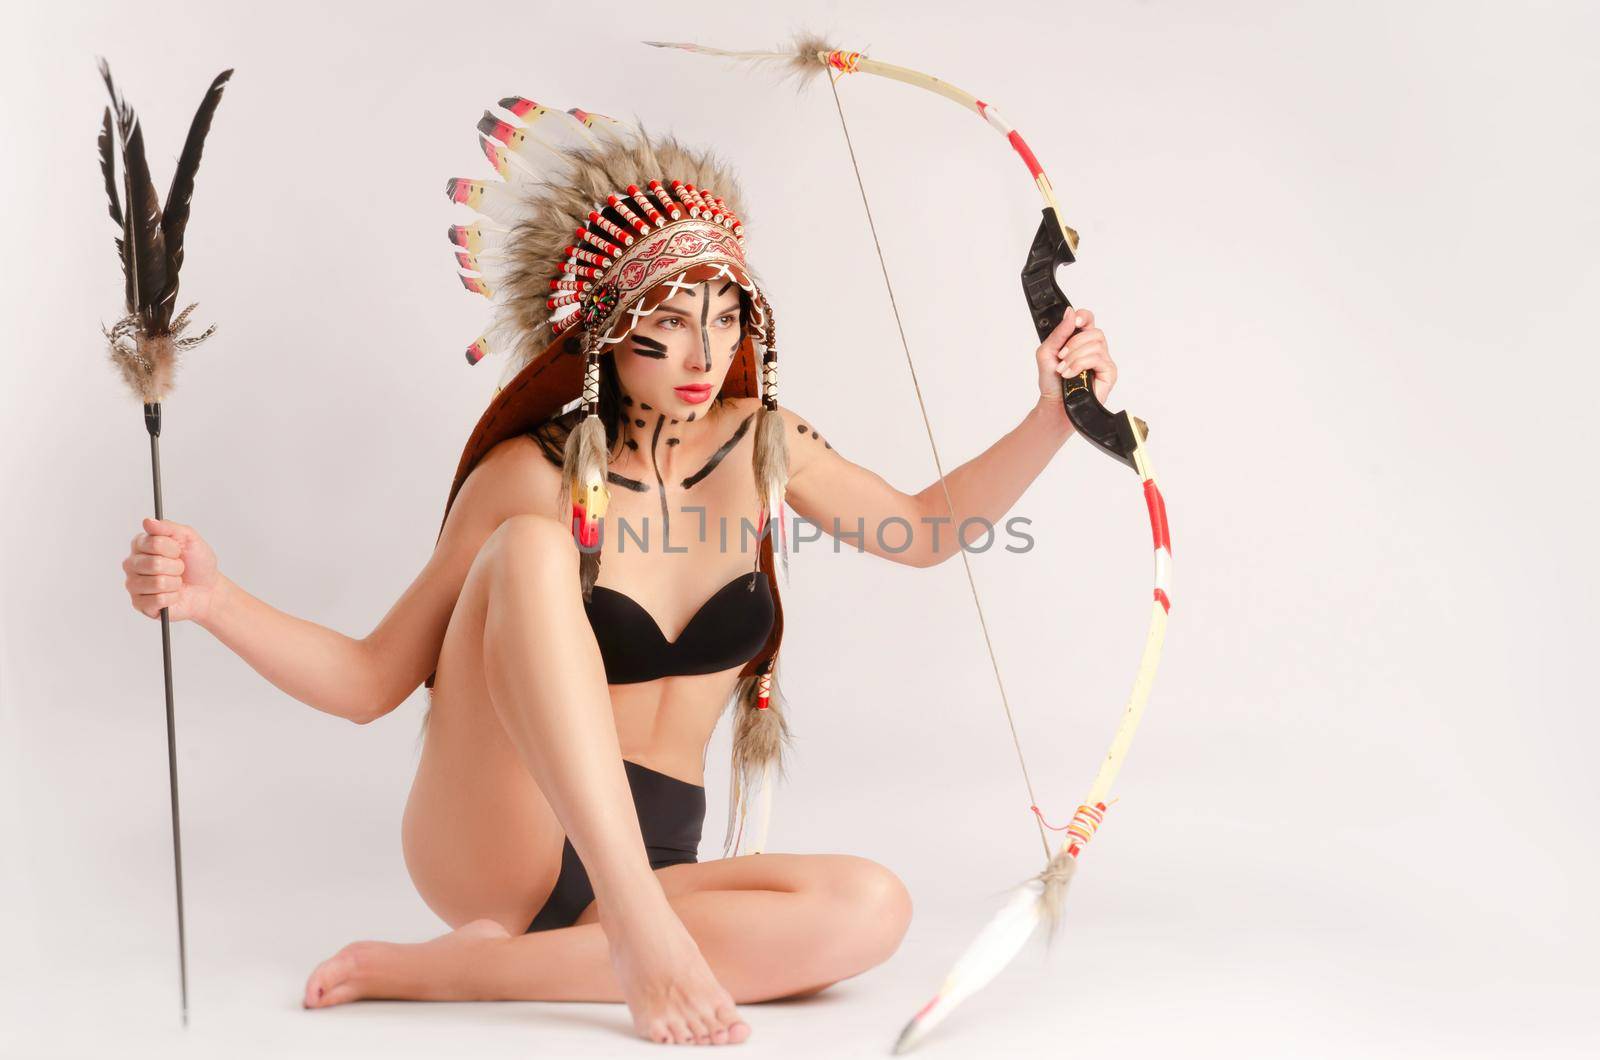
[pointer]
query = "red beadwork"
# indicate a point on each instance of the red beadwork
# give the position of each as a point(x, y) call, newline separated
point(668, 203)
point(616, 203)
point(649, 207)
point(609, 227)
point(590, 256)
point(682, 191)
point(699, 199)
point(599, 242)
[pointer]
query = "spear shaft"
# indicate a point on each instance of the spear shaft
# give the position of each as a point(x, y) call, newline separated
point(152, 422)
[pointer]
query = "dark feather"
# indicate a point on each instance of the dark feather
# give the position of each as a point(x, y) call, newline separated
point(144, 257)
point(175, 215)
point(107, 168)
point(124, 113)
point(142, 229)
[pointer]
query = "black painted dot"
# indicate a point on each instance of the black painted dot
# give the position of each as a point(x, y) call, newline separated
point(829, 446)
point(801, 428)
point(674, 441)
point(626, 400)
point(643, 406)
point(691, 418)
point(638, 423)
point(633, 445)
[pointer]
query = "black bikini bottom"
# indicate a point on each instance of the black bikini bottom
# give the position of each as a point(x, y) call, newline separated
point(672, 813)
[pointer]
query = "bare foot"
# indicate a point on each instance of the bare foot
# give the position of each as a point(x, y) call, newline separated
point(668, 986)
point(418, 971)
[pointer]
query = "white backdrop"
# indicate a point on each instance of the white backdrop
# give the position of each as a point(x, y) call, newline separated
point(1344, 257)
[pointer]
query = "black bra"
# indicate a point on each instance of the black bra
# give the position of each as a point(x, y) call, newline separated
point(729, 629)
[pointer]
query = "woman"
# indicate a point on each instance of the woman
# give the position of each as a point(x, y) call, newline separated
point(557, 808)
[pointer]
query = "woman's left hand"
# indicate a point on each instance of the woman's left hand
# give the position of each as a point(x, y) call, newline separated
point(1060, 356)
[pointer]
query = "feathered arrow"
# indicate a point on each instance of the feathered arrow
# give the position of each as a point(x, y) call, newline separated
point(145, 342)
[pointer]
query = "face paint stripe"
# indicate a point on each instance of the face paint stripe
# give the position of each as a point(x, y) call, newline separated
point(666, 526)
point(705, 311)
point(626, 483)
point(724, 450)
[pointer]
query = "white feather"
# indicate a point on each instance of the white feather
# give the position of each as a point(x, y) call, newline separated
point(491, 237)
point(765, 820)
point(612, 131)
point(738, 814)
point(499, 202)
point(558, 130)
point(996, 945)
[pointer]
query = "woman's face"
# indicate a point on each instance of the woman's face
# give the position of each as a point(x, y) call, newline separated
point(675, 359)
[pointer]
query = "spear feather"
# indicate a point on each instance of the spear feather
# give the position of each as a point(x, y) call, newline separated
point(175, 215)
point(144, 344)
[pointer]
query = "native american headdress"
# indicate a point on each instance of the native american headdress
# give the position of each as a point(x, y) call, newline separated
point(592, 224)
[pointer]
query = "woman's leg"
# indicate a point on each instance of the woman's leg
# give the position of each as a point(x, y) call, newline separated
point(543, 710)
point(771, 926)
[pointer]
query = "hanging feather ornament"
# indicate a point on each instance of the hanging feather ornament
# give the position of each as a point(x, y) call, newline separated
point(772, 446)
point(145, 342)
point(760, 734)
point(584, 463)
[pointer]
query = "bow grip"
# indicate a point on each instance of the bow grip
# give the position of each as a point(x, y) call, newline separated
point(1110, 432)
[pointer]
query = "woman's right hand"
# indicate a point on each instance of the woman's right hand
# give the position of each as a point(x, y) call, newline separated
point(170, 565)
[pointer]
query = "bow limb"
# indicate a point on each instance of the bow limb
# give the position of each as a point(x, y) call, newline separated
point(1119, 435)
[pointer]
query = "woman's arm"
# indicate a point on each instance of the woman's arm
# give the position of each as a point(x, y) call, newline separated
point(364, 679)
point(859, 508)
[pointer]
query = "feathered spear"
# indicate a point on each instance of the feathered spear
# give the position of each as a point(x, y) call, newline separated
point(145, 342)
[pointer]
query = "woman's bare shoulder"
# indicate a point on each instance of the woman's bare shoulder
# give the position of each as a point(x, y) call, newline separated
point(515, 477)
point(805, 443)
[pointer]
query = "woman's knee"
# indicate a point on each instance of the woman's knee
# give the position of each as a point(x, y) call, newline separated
point(876, 904)
point(530, 544)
